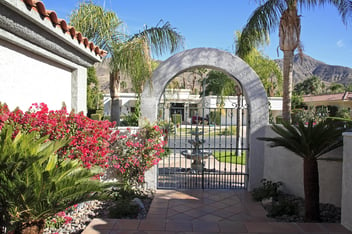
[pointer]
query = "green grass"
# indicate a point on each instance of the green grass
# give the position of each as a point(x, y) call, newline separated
point(228, 131)
point(227, 157)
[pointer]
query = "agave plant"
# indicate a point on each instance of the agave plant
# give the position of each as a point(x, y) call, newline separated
point(308, 141)
point(36, 184)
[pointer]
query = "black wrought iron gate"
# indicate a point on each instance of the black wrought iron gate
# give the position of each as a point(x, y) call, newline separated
point(207, 138)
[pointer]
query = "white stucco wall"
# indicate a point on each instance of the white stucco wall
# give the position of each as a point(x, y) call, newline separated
point(282, 165)
point(346, 206)
point(27, 78)
point(40, 61)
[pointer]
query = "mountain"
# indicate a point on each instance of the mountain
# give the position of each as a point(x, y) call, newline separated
point(103, 71)
point(307, 67)
point(303, 68)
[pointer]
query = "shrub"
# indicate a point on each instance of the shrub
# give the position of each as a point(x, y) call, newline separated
point(215, 117)
point(122, 209)
point(268, 189)
point(35, 183)
point(232, 130)
point(107, 117)
point(89, 140)
point(176, 118)
point(135, 153)
point(96, 116)
point(282, 207)
point(130, 120)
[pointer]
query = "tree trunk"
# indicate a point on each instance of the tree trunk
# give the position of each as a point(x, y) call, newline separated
point(114, 94)
point(287, 85)
point(311, 189)
point(115, 110)
point(289, 35)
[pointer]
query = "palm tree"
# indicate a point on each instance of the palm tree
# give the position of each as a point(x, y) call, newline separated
point(268, 70)
point(129, 54)
point(283, 14)
point(36, 184)
point(220, 84)
point(309, 142)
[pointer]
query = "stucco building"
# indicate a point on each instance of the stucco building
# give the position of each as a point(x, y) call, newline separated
point(43, 59)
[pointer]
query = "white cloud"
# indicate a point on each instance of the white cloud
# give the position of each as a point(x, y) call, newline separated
point(340, 43)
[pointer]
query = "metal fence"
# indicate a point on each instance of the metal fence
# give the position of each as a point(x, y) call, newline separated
point(208, 144)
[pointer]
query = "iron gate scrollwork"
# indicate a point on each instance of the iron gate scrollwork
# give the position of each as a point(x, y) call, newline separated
point(208, 144)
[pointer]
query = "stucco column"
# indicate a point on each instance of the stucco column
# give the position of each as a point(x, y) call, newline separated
point(346, 202)
point(186, 111)
point(79, 90)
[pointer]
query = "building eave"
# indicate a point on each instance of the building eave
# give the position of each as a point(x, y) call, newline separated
point(42, 28)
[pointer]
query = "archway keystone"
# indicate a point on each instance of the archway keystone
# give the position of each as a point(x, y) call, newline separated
point(235, 67)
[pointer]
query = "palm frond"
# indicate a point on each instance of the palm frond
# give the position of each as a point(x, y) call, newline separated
point(98, 25)
point(133, 56)
point(307, 140)
point(344, 7)
point(34, 183)
point(264, 20)
point(161, 39)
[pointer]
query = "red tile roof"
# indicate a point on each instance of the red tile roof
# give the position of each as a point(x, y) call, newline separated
point(328, 97)
point(39, 6)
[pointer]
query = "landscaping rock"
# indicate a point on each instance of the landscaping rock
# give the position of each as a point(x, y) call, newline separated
point(87, 211)
point(328, 212)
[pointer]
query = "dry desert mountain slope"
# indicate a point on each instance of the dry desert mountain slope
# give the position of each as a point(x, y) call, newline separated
point(307, 67)
point(303, 68)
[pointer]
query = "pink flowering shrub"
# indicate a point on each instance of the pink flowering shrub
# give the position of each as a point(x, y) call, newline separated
point(135, 153)
point(89, 139)
point(58, 220)
point(93, 142)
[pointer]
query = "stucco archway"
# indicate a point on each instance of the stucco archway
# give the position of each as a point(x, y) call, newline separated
point(234, 66)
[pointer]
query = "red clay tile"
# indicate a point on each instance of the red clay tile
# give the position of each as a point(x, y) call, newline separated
point(232, 227)
point(311, 227)
point(259, 227)
point(39, 7)
point(205, 218)
point(152, 225)
point(203, 227)
point(335, 227)
point(126, 224)
point(177, 226)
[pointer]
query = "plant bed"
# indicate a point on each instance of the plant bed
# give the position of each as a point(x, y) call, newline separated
point(289, 208)
point(285, 207)
point(85, 212)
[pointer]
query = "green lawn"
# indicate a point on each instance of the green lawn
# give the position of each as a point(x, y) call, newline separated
point(224, 156)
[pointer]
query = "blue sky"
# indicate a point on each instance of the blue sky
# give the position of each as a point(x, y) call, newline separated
point(212, 23)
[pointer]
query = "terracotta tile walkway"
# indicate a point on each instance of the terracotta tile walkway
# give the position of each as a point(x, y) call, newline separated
point(208, 211)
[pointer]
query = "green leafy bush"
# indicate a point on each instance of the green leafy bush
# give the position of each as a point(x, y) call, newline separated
point(215, 117)
point(36, 183)
point(176, 118)
point(232, 130)
point(122, 209)
point(130, 120)
point(283, 207)
point(268, 190)
point(96, 116)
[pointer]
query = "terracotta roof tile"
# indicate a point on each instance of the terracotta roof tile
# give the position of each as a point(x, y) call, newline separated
point(39, 6)
point(328, 97)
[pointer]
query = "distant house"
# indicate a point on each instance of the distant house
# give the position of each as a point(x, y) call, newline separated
point(181, 101)
point(338, 100)
point(42, 58)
